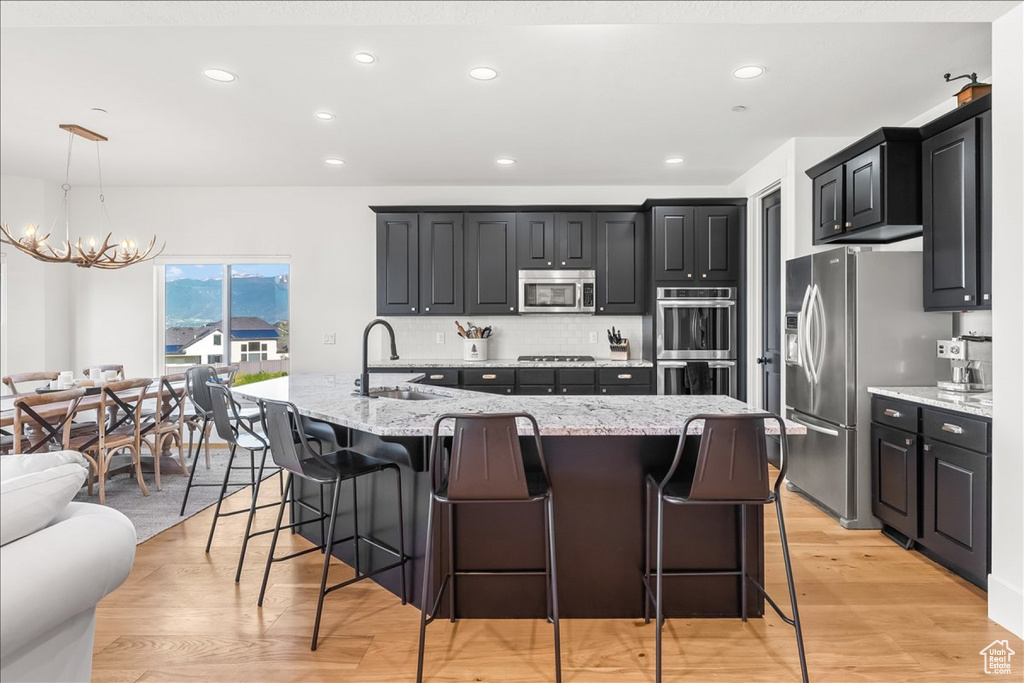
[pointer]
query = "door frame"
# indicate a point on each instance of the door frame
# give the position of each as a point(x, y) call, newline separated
point(755, 276)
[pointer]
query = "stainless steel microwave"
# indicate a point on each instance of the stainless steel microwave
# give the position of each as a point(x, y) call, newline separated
point(556, 291)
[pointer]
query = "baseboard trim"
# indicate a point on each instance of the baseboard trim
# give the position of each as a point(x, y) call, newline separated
point(1006, 605)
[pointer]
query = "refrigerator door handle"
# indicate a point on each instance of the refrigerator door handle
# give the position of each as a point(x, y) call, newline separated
point(814, 428)
point(818, 306)
point(803, 337)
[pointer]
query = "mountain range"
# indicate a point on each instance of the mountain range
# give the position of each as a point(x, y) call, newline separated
point(192, 303)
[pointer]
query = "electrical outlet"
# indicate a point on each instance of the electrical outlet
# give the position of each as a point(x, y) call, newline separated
point(440, 337)
point(330, 338)
point(593, 337)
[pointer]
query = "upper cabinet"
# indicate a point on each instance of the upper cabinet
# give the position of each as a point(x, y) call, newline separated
point(869, 192)
point(441, 268)
point(956, 160)
point(696, 244)
point(490, 263)
point(398, 264)
point(621, 275)
point(563, 240)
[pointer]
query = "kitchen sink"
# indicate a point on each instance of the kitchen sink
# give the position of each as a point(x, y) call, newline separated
point(405, 395)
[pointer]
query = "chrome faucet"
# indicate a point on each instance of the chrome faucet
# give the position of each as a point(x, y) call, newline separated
point(364, 376)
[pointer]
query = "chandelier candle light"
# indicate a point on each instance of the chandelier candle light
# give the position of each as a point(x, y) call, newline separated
point(106, 255)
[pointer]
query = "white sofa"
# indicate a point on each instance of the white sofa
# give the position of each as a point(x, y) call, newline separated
point(50, 583)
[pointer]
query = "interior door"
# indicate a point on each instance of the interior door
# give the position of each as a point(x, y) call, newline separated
point(771, 303)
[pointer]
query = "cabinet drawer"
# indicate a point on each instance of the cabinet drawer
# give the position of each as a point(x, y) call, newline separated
point(490, 388)
point(894, 413)
point(578, 390)
point(440, 377)
point(536, 390)
point(489, 376)
point(576, 376)
point(625, 390)
point(537, 376)
point(616, 376)
point(958, 430)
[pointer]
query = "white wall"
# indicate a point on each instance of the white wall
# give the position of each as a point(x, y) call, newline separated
point(328, 234)
point(41, 318)
point(1006, 582)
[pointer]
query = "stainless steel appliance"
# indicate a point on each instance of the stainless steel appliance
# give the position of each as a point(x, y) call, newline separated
point(970, 363)
point(557, 291)
point(854, 319)
point(671, 376)
point(696, 323)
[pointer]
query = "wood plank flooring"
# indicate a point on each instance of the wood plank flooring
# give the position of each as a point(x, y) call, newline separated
point(871, 612)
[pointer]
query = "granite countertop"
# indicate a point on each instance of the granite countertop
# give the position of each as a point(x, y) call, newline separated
point(508, 363)
point(971, 404)
point(329, 398)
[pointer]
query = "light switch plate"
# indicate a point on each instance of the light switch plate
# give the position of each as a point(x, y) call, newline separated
point(330, 338)
point(593, 337)
point(440, 337)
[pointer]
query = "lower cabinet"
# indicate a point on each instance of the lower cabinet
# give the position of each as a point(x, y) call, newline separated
point(933, 484)
point(574, 381)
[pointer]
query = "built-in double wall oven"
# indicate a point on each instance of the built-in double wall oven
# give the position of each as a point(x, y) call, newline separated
point(696, 325)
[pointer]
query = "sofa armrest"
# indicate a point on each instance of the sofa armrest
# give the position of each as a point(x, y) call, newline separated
point(58, 572)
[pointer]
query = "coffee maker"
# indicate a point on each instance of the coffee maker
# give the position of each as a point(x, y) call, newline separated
point(970, 363)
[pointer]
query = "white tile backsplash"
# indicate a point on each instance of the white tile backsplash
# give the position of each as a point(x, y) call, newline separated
point(514, 335)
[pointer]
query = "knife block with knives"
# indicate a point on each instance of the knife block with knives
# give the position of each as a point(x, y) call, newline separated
point(618, 346)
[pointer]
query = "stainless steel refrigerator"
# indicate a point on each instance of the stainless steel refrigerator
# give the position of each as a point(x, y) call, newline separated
point(854, 319)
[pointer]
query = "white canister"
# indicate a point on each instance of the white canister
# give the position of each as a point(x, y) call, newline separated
point(474, 349)
point(95, 374)
point(109, 375)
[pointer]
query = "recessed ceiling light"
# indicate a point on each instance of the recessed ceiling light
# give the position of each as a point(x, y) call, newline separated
point(324, 115)
point(334, 161)
point(750, 71)
point(505, 161)
point(364, 58)
point(219, 75)
point(739, 107)
point(674, 160)
point(483, 73)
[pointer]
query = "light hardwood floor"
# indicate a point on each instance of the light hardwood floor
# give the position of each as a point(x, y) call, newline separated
point(871, 612)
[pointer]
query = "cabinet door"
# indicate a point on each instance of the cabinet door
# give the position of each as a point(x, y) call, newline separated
point(441, 263)
point(718, 243)
point(894, 480)
point(956, 512)
point(535, 240)
point(950, 198)
point(675, 244)
point(862, 205)
point(620, 263)
point(491, 263)
point(397, 264)
point(983, 148)
point(574, 240)
point(828, 204)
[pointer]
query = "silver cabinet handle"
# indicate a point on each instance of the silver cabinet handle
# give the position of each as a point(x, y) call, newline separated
point(889, 412)
point(549, 263)
point(952, 429)
point(564, 390)
point(563, 263)
point(414, 308)
point(489, 377)
point(625, 376)
point(604, 391)
point(910, 442)
point(512, 308)
point(437, 377)
point(550, 390)
point(927, 446)
point(427, 308)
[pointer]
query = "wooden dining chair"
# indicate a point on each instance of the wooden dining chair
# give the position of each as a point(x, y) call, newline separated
point(166, 422)
point(121, 432)
point(42, 420)
point(11, 381)
point(119, 369)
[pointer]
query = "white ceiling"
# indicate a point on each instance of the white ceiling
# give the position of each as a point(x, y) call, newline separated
point(575, 103)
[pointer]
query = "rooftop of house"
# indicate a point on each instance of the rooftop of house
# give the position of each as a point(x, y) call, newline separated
point(242, 327)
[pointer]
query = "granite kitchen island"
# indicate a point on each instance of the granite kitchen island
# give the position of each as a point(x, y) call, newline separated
point(598, 450)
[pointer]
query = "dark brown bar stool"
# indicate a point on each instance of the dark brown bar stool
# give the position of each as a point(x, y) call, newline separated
point(486, 466)
point(731, 469)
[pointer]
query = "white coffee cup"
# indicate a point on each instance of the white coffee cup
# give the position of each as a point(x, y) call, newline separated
point(109, 375)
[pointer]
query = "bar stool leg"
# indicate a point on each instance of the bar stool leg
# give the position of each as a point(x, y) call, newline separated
point(327, 562)
point(355, 521)
point(273, 539)
point(547, 566)
point(401, 535)
point(647, 551)
point(659, 614)
point(195, 461)
point(425, 594)
point(550, 515)
point(252, 514)
point(743, 562)
point(792, 591)
point(451, 563)
point(220, 498)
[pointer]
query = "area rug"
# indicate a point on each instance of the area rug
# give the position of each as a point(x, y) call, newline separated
point(159, 510)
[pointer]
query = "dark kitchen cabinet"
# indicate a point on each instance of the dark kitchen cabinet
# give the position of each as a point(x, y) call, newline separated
point(869, 192)
point(675, 244)
point(621, 275)
point(956, 506)
point(574, 240)
point(398, 261)
point(718, 243)
point(441, 290)
point(535, 240)
point(491, 263)
point(894, 476)
point(957, 212)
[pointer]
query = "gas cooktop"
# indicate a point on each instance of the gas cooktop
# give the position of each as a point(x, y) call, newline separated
point(556, 359)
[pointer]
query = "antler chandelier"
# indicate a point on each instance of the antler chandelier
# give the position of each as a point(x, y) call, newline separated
point(106, 255)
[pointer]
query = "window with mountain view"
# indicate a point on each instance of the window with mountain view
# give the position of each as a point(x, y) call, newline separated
point(256, 334)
